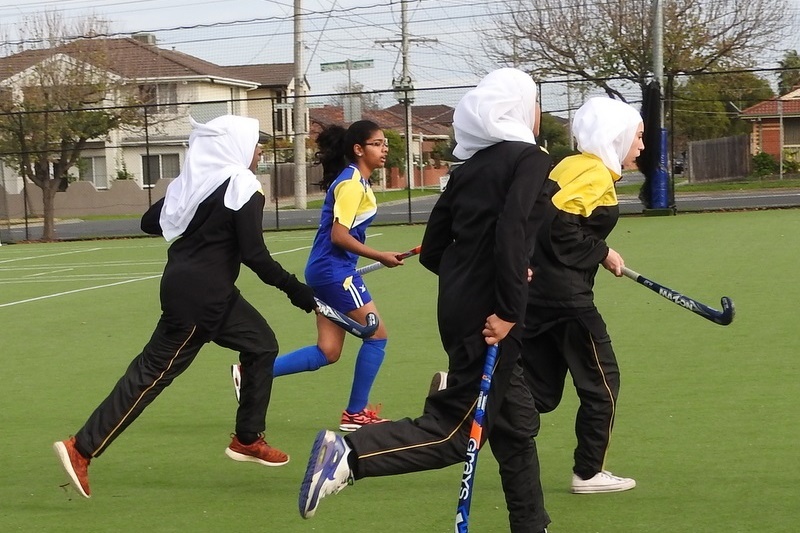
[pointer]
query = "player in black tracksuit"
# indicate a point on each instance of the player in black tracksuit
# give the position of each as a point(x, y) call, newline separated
point(477, 239)
point(200, 303)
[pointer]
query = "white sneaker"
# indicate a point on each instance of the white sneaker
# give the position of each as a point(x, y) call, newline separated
point(603, 481)
point(236, 374)
point(327, 472)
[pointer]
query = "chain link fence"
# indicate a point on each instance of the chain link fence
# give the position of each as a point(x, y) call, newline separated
point(753, 140)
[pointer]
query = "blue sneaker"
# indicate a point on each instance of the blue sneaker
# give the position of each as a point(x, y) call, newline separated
point(327, 471)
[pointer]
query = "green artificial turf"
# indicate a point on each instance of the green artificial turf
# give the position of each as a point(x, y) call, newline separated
point(706, 422)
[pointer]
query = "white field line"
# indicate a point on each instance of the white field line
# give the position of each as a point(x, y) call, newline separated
point(48, 255)
point(78, 277)
point(45, 273)
point(83, 265)
point(107, 284)
point(9, 304)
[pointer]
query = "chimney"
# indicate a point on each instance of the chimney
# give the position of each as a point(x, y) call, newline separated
point(146, 38)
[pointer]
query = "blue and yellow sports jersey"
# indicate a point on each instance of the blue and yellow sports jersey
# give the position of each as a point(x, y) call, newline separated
point(351, 202)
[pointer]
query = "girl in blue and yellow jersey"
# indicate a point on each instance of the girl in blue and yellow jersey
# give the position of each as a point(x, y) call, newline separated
point(348, 158)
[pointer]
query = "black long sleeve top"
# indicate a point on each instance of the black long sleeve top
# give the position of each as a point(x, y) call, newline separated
point(480, 234)
point(198, 285)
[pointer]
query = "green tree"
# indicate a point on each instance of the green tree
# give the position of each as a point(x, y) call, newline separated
point(707, 106)
point(789, 79)
point(63, 102)
point(396, 158)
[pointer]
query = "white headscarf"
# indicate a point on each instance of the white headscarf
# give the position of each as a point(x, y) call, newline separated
point(500, 108)
point(220, 149)
point(606, 128)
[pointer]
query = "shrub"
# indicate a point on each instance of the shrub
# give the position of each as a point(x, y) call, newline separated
point(765, 164)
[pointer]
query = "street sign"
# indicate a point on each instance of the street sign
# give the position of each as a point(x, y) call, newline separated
point(346, 65)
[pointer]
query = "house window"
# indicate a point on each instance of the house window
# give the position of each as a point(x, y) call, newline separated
point(206, 111)
point(93, 169)
point(156, 167)
point(791, 132)
point(163, 96)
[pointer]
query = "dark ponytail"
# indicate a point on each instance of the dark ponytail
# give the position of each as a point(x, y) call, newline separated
point(336, 148)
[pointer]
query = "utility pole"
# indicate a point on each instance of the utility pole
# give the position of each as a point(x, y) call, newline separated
point(299, 112)
point(404, 89)
point(658, 51)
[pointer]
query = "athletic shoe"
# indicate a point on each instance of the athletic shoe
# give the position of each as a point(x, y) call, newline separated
point(236, 374)
point(603, 481)
point(327, 472)
point(258, 452)
point(365, 417)
point(75, 465)
point(439, 382)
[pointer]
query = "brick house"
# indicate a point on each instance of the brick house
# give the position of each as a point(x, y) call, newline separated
point(773, 119)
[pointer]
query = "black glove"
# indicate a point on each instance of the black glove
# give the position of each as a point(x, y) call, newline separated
point(300, 294)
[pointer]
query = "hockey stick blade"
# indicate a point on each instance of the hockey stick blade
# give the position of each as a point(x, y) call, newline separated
point(723, 318)
point(348, 324)
point(366, 269)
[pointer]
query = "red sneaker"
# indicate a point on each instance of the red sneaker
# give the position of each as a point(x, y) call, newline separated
point(353, 421)
point(258, 452)
point(75, 465)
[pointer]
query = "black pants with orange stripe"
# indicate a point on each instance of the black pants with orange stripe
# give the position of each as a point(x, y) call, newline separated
point(559, 340)
point(439, 437)
point(169, 352)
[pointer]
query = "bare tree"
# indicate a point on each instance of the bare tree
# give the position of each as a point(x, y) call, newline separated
point(65, 97)
point(608, 40)
point(369, 100)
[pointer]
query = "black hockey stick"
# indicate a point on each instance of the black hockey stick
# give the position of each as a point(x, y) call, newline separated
point(348, 324)
point(722, 318)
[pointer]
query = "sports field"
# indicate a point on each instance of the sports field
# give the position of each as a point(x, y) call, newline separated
point(707, 420)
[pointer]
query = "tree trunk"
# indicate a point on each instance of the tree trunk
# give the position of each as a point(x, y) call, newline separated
point(49, 210)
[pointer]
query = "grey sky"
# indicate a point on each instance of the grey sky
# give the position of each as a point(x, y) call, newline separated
point(261, 31)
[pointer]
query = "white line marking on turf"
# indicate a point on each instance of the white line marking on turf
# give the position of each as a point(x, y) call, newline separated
point(77, 290)
point(45, 273)
point(49, 255)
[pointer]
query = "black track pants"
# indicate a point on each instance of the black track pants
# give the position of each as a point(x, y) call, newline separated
point(169, 352)
point(575, 340)
point(439, 437)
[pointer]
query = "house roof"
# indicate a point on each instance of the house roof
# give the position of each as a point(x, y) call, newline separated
point(270, 75)
point(769, 108)
point(439, 113)
point(385, 118)
point(133, 59)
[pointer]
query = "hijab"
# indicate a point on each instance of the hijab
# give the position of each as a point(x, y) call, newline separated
point(219, 149)
point(500, 108)
point(606, 128)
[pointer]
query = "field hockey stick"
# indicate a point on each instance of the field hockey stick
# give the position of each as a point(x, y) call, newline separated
point(474, 443)
point(377, 264)
point(722, 318)
point(348, 324)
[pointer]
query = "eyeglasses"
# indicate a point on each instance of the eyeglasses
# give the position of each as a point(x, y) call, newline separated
point(379, 143)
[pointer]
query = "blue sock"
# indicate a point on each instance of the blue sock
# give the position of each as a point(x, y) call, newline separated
point(305, 359)
point(368, 362)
